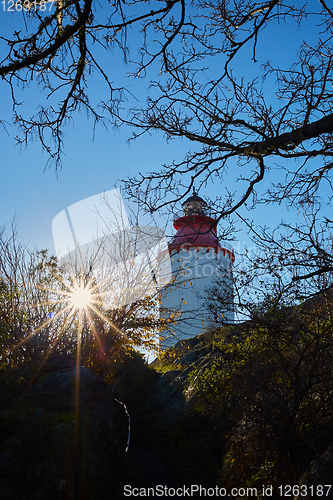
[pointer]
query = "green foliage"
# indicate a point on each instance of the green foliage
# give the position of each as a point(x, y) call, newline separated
point(271, 385)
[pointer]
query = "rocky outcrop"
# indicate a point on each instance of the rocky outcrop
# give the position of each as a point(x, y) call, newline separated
point(317, 479)
point(60, 439)
point(175, 392)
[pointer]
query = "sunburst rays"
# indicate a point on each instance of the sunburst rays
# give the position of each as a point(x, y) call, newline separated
point(70, 305)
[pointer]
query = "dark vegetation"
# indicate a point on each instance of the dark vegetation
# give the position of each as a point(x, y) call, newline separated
point(239, 406)
point(242, 406)
point(258, 399)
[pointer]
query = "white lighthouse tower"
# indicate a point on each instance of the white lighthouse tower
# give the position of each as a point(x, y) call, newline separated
point(197, 259)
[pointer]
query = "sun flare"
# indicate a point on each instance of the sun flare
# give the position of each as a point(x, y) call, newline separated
point(80, 297)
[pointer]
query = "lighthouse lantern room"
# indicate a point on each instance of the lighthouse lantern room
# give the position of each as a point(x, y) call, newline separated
point(197, 260)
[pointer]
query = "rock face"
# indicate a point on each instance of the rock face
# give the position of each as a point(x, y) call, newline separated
point(195, 448)
point(174, 391)
point(318, 478)
point(72, 386)
point(59, 440)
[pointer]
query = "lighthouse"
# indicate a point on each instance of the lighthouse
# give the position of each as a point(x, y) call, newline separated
point(198, 259)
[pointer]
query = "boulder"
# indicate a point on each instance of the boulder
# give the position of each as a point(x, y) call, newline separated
point(317, 479)
point(60, 440)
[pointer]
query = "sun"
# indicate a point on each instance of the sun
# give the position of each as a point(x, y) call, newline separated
point(80, 297)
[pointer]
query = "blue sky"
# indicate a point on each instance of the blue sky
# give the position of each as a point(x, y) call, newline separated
point(93, 163)
point(34, 195)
